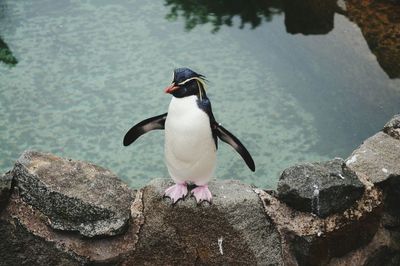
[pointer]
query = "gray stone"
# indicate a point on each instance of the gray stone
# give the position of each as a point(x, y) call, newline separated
point(378, 158)
point(26, 239)
point(19, 247)
point(322, 188)
point(5, 189)
point(244, 225)
point(233, 230)
point(310, 240)
point(74, 195)
point(392, 127)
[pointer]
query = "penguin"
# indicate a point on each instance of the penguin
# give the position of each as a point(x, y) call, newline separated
point(191, 137)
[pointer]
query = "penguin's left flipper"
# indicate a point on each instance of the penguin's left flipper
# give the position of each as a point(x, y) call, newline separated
point(229, 138)
point(156, 122)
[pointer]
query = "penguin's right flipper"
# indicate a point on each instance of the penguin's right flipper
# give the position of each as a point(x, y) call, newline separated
point(156, 122)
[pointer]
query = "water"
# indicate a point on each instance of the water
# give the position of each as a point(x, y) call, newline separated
point(79, 74)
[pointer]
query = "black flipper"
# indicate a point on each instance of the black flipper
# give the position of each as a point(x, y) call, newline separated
point(156, 122)
point(229, 138)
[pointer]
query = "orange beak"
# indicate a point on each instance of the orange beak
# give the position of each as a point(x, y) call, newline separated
point(171, 88)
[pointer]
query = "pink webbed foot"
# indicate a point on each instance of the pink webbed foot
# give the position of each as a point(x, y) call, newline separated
point(176, 192)
point(202, 193)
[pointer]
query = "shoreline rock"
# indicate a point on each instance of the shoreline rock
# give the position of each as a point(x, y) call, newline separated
point(323, 188)
point(392, 128)
point(220, 233)
point(74, 195)
point(62, 212)
point(27, 238)
point(377, 158)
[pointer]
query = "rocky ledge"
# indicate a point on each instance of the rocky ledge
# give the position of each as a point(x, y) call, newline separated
point(56, 211)
point(74, 196)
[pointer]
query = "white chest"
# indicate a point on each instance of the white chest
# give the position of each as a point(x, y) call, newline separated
point(185, 119)
point(187, 129)
point(190, 150)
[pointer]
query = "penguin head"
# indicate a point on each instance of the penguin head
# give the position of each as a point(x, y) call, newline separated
point(186, 82)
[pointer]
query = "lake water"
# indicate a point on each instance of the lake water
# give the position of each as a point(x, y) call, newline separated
point(294, 81)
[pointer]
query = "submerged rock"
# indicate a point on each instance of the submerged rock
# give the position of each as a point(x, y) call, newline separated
point(5, 189)
point(74, 195)
point(232, 230)
point(322, 188)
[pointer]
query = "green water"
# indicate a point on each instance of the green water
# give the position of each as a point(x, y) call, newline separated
point(86, 71)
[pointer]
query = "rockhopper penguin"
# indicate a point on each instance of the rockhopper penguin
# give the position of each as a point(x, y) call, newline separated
point(190, 136)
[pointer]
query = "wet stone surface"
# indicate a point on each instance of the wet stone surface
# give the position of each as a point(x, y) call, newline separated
point(74, 195)
point(322, 188)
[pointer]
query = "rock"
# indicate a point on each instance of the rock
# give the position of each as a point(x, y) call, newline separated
point(391, 188)
point(365, 253)
point(19, 247)
point(378, 158)
point(26, 239)
point(384, 256)
point(5, 189)
point(392, 127)
point(310, 240)
point(244, 225)
point(322, 188)
point(381, 33)
point(74, 195)
point(232, 230)
point(357, 221)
